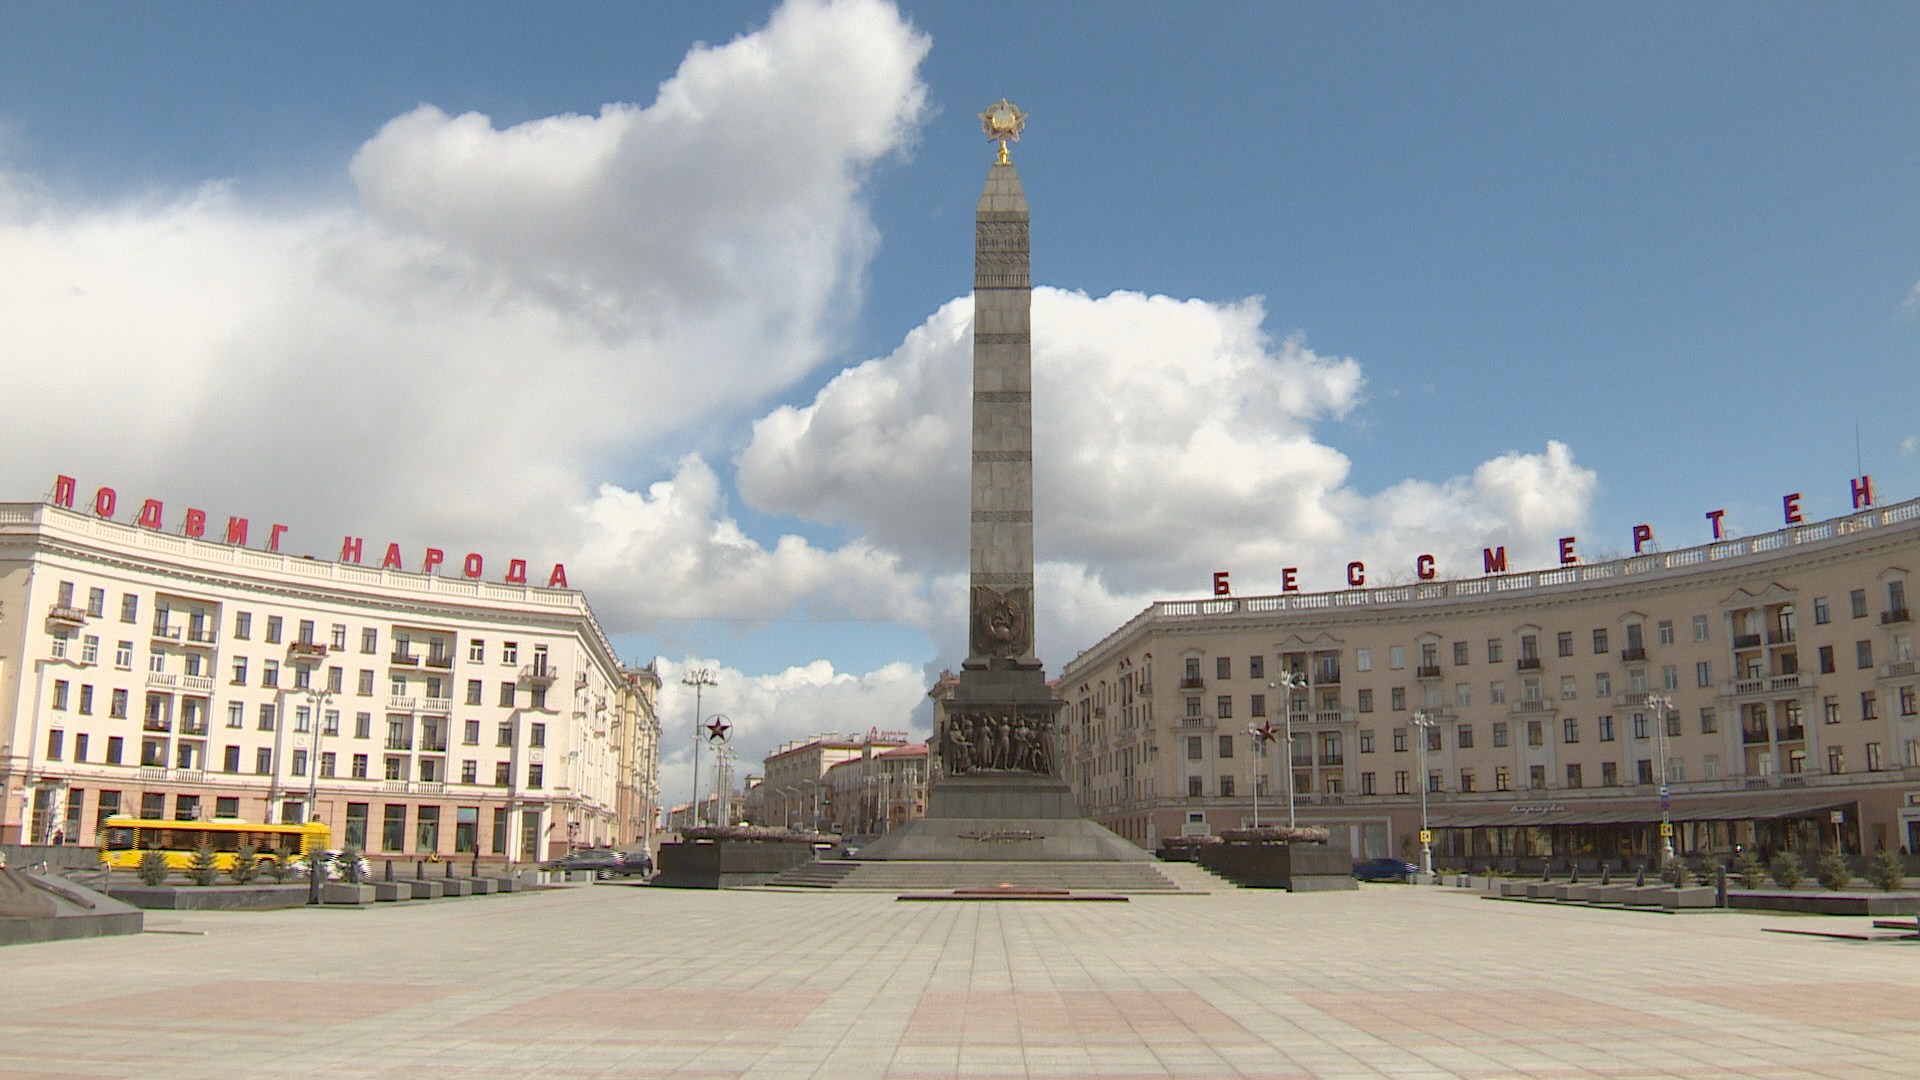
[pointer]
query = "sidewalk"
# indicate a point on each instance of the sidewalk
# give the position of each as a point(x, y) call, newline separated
point(1394, 981)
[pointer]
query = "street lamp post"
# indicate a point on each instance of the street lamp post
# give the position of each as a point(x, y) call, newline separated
point(1292, 681)
point(1425, 722)
point(1661, 704)
point(699, 679)
point(318, 699)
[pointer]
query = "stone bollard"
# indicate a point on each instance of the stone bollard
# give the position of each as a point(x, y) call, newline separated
point(389, 869)
point(1720, 886)
point(1640, 877)
point(1606, 873)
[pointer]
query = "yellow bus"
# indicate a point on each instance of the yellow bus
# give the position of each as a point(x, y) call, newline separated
point(124, 839)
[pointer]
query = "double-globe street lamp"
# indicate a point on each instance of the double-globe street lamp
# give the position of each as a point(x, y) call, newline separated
point(699, 679)
point(1662, 706)
point(1425, 722)
point(1293, 682)
point(317, 698)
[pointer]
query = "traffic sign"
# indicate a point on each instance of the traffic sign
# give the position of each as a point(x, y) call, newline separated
point(1426, 836)
point(1666, 828)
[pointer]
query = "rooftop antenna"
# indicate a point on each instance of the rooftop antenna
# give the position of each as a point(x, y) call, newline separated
point(1859, 464)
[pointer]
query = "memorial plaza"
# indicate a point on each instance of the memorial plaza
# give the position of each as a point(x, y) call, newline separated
point(627, 981)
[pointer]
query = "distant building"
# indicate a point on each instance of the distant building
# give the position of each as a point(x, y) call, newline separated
point(160, 675)
point(879, 791)
point(1788, 659)
point(792, 791)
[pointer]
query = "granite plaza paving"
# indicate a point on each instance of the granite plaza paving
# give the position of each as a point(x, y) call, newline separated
point(622, 981)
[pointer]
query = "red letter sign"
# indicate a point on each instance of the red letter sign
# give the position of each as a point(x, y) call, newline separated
point(557, 579)
point(517, 572)
point(1493, 559)
point(1287, 582)
point(1641, 535)
point(1423, 568)
point(434, 558)
point(471, 567)
point(1791, 503)
point(196, 523)
point(103, 502)
point(63, 492)
point(1356, 574)
point(1862, 492)
point(1567, 557)
point(1715, 516)
point(237, 531)
point(150, 515)
point(1220, 586)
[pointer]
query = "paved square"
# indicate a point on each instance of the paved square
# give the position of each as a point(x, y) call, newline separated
point(618, 981)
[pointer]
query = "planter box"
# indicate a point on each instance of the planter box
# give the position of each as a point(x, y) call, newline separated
point(1294, 867)
point(210, 897)
point(483, 886)
point(343, 892)
point(423, 888)
point(728, 864)
point(1828, 903)
point(1609, 893)
point(390, 891)
point(1646, 895)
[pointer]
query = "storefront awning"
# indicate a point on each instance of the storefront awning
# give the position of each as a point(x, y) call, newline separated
point(1766, 805)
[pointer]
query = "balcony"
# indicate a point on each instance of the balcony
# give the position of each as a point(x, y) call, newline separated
point(402, 704)
point(1303, 761)
point(1783, 682)
point(1633, 654)
point(1326, 716)
point(152, 772)
point(1897, 615)
point(1333, 759)
point(194, 725)
point(156, 723)
point(1197, 722)
point(539, 674)
point(1193, 683)
point(199, 639)
point(1427, 671)
point(1633, 699)
point(167, 633)
point(300, 651)
point(443, 661)
point(1750, 736)
point(399, 742)
point(1532, 705)
point(403, 659)
point(201, 685)
point(189, 776)
point(1899, 669)
point(1792, 733)
point(436, 705)
point(430, 787)
point(1327, 676)
point(436, 744)
point(1527, 663)
point(62, 615)
point(1780, 637)
point(1746, 641)
point(397, 787)
point(161, 680)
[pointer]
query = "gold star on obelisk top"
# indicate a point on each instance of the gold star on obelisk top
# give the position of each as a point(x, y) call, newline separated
point(1003, 122)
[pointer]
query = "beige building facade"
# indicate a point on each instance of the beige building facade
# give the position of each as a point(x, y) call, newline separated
point(879, 791)
point(1769, 681)
point(154, 674)
point(793, 790)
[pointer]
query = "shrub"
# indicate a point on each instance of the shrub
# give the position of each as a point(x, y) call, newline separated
point(352, 858)
point(1785, 870)
point(1832, 870)
point(153, 869)
point(1674, 873)
point(205, 867)
point(1750, 870)
point(277, 866)
point(1702, 869)
point(1886, 871)
point(246, 865)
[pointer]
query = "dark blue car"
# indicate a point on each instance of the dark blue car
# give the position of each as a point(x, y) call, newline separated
point(1385, 870)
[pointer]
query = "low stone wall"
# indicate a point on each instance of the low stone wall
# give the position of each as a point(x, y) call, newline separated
point(728, 864)
point(210, 897)
point(1828, 903)
point(57, 857)
point(1294, 867)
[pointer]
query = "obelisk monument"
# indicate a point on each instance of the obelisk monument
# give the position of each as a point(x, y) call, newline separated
point(996, 792)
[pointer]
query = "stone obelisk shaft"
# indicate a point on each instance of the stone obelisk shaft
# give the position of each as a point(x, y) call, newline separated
point(1002, 529)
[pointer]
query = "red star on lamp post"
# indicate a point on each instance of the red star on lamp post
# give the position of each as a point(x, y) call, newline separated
point(718, 730)
point(1266, 732)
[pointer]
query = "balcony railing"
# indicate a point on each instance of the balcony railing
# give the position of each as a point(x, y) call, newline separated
point(1427, 671)
point(167, 633)
point(1746, 641)
point(1193, 683)
point(442, 661)
point(1527, 663)
point(1633, 654)
point(1897, 615)
point(156, 724)
point(1333, 759)
point(436, 745)
point(1780, 637)
point(1753, 735)
point(404, 659)
point(161, 680)
point(399, 742)
point(1783, 682)
point(62, 615)
point(189, 776)
point(429, 787)
point(1899, 669)
point(539, 674)
point(1326, 676)
point(194, 726)
point(1533, 705)
point(306, 650)
point(402, 704)
point(1792, 733)
point(197, 684)
point(200, 639)
point(1327, 716)
point(436, 704)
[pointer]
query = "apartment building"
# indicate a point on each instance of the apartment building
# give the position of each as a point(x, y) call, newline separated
point(1762, 689)
point(165, 675)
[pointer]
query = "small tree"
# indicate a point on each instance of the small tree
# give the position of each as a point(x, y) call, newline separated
point(1832, 870)
point(1786, 871)
point(351, 857)
point(153, 868)
point(246, 865)
point(1750, 870)
point(1886, 871)
point(277, 866)
point(205, 867)
point(1702, 870)
point(1674, 873)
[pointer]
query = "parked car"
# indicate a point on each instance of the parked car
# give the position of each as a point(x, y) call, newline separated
point(333, 864)
point(1385, 870)
point(603, 862)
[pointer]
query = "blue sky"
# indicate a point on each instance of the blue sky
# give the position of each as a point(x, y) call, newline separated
point(1682, 245)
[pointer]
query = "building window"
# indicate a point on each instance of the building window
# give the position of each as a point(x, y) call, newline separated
point(239, 671)
point(470, 733)
point(1367, 784)
point(56, 744)
point(1822, 611)
point(1669, 677)
point(299, 762)
point(1665, 630)
point(1703, 673)
point(363, 725)
point(1858, 598)
point(1256, 667)
point(1363, 660)
point(90, 649)
point(1502, 778)
point(506, 695)
point(96, 602)
point(60, 694)
point(369, 640)
point(473, 691)
point(534, 773)
point(1826, 660)
point(1363, 700)
point(266, 717)
point(263, 760)
point(1600, 642)
point(1874, 762)
point(1710, 721)
point(1500, 734)
point(1257, 705)
point(469, 772)
point(115, 747)
point(117, 705)
point(1222, 667)
point(1400, 782)
point(505, 733)
point(1830, 708)
point(1226, 746)
point(273, 629)
point(1366, 742)
point(123, 655)
point(1570, 730)
point(1568, 688)
point(1463, 736)
point(1226, 787)
point(1436, 781)
point(1536, 733)
point(129, 608)
point(1909, 702)
point(1396, 657)
point(364, 687)
point(270, 674)
point(58, 645)
point(1609, 774)
point(1399, 697)
point(477, 651)
point(1640, 730)
point(510, 652)
point(1537, 777)
point(1564, 642)
point(1400, 740)
point(1863, 654)
point(1573, 775)
point(1869, 705)
point(537, 735)
point(1463, 695)
point(1493, 650)
point(1224, 707)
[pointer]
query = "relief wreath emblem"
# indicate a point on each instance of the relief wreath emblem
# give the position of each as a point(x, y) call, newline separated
point(1000, 621)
